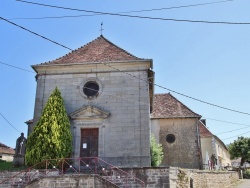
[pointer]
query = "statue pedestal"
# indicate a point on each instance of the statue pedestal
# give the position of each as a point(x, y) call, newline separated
point(18, 160)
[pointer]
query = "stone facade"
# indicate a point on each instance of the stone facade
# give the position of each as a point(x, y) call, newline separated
point(120, 111)
point(184, 151)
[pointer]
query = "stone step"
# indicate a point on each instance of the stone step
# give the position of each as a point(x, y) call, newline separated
point(123, 181)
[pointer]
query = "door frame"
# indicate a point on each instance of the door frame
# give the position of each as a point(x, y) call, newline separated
point(89, 143)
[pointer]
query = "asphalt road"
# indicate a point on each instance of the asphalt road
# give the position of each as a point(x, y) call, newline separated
point(245, 184)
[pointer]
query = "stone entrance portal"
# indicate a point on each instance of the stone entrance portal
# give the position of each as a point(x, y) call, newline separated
point(88, 131)
point(89, 142)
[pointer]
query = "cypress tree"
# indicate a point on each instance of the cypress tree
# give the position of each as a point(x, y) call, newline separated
point(51, 137)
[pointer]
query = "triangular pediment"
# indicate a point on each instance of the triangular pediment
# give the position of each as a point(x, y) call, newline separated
point(89, 113)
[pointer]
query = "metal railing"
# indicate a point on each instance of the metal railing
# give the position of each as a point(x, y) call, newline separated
point(82, 165)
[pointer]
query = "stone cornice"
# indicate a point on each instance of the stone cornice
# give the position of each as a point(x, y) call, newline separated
point(93, 67)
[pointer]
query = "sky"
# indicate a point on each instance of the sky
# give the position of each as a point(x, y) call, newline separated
point(206, 61)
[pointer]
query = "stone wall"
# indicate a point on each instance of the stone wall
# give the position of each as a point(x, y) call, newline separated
point(6, 157)
point(206, 179)
point(184, 152)
point(11, 178)
point(173, 177)
point(3, 176)
point(71, 181)
point(161, 177)
point(153, 177)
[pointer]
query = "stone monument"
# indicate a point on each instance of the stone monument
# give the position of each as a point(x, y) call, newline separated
point(20, 151)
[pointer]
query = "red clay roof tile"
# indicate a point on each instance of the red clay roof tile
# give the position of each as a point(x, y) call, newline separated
point(167, 106)
point(204, 132)
point(6, 150)
point(98, 50)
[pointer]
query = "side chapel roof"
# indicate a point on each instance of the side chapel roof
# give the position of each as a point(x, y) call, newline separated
point(167, 106)
point(98, 50)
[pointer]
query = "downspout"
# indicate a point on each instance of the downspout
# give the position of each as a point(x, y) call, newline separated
point(199, 145)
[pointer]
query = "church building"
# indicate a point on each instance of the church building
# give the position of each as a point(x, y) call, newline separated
point(175, 126)
point(108, 96)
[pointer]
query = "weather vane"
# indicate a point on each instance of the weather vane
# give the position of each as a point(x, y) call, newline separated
point(101, 28)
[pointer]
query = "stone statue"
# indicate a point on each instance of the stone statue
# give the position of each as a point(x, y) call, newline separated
point(20, 146)
point(20, 151)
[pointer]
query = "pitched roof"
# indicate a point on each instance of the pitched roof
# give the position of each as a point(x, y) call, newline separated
point(6, 150)
point(98, 50)
point(167, 106)
point(218, 139)
point(204, 132)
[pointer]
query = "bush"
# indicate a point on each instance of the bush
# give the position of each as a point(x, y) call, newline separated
point(155, 152)
point(246, 174)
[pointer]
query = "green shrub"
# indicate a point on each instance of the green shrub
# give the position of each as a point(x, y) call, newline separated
point(155, 151)
point(246, 174)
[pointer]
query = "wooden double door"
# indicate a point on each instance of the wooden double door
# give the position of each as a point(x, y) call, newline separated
point(89, 142)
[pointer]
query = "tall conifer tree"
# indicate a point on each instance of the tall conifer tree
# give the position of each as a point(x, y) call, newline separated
point(51, 137)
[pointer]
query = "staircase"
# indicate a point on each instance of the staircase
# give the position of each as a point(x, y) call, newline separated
point(123, 182)
point(102, 169)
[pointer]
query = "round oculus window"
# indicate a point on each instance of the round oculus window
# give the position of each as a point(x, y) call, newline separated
point(91, 89)
point(170, 138)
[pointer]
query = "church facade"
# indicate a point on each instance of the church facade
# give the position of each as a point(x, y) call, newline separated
point(108, 99)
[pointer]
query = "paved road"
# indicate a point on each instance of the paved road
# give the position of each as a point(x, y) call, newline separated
point(245, 184)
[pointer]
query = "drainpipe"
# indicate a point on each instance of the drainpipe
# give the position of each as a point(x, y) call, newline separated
point(199, 145)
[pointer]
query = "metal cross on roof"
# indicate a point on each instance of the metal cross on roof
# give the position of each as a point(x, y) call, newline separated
point(101, 28)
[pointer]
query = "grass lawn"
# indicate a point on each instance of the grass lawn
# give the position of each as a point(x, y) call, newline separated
point(4, 165)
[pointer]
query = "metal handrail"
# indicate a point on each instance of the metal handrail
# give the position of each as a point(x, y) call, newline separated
point(141, 182)
point(63, 163)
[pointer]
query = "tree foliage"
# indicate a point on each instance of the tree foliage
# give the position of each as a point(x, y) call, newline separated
point(51, 137)
point(155, 151)
point(240, 148)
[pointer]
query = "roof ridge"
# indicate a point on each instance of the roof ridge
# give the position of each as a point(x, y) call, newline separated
point(73, 50)
point(168, 106)
point(118, 47)
point(206, 127)
point(5, 146)
point(221, 141)
point(161, 93)
point(183, 104)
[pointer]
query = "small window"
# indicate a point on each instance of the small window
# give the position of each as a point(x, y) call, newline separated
point(1, 156)
point(91, 89)
point(170, 138)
